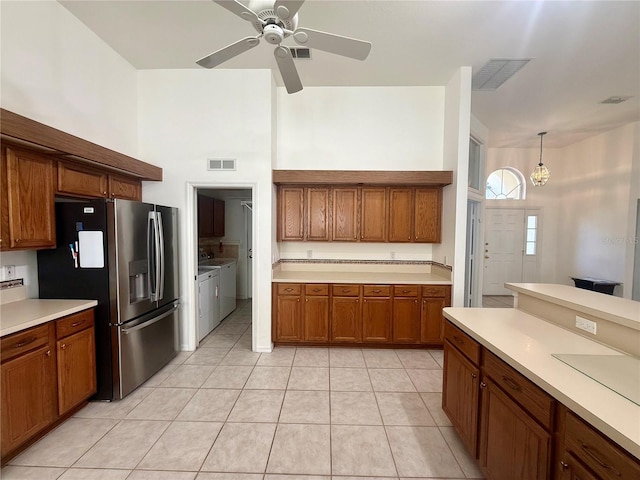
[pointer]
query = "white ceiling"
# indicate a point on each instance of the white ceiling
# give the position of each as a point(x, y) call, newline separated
point(583, 52)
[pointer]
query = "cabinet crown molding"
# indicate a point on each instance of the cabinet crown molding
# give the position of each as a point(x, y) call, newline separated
point(363, 177)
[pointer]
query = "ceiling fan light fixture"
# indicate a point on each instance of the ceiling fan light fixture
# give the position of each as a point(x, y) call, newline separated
point(541, 174)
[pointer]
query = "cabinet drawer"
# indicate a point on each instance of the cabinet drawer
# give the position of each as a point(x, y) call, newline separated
point(21, 342)
point(316, 289)
point(405, 290)
point(345, 290)
point(594, 450)
point(531, 397)
point(376, 290)
point(74, 323)
point(434, 291)
point(463, 342)
point(289, 289)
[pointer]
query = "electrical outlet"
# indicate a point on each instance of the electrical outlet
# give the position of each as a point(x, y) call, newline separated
point(10, 272)
point(586, 325)
point(392, 255)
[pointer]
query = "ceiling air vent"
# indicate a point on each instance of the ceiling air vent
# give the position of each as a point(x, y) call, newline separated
point(615, 100)
point(497, 71)
point(221, 164)
point(300, 52)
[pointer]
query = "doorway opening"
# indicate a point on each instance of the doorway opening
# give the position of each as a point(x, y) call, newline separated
point(223, 226)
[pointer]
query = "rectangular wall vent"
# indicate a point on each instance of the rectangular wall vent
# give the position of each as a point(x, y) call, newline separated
point(221, 164)
point(300, 52)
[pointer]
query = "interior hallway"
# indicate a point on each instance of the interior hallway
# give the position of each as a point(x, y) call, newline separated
point(224, 412)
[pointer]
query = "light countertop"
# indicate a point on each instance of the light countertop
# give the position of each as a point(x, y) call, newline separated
point(527, 343)
point(21, 314)
point(386, 274)
point(615, 309)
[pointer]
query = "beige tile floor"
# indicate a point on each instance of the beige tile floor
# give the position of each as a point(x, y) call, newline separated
point(497, 301)
point(226, 413)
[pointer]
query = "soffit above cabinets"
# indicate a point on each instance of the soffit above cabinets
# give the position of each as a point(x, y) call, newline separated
point(38, 136)
point(364, 177)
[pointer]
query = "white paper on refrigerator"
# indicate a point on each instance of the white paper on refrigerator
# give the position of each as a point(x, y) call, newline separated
point(91, 249)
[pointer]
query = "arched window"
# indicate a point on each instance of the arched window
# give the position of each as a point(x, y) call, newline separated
point(505, 183)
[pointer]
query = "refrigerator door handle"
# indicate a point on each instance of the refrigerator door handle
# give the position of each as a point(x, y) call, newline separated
point(151, 255)
point(127, 331)
point(160, 257)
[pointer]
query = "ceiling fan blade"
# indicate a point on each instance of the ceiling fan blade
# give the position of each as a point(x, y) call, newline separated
point(329, 42)
point(240, 10)
point(228, 52)
point(287, 69)
point(286, 9)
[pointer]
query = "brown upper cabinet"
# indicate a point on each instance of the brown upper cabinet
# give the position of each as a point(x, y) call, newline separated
point(81, 181)
point(210, 217)
point(27, 203)
point(359, 214)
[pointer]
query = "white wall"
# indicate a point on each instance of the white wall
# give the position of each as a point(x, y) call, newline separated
point(457, 128)
point(597, 203)
point(361, 128)
point(56, 71)
point(188, 116)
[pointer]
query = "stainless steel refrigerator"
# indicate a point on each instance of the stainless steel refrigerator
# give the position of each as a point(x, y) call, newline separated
point(123, 254)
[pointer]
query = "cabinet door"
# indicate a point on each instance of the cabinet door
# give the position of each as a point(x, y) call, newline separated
point(126, 188)
point(432, 321)
point(400, 214)
point(345, 213)
point(460, 399)
point(30, 186)
point(318, 214)
point(406, 320)
point(288, 319)
point(78, 180)
point(76, 369)
point(316, 319)
point(373, 215)
point(376, 320)
point(512, 444)
point(28, 396)
point(427, 215)
point(346, 320)
point(205, 216)
point(218, 218)
point(291, 213)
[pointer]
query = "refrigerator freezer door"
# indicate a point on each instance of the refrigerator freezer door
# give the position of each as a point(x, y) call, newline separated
point(131, 260)
point(170, 282)
point(147, 345)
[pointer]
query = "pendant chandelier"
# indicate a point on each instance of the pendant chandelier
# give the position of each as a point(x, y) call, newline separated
point(540, 174)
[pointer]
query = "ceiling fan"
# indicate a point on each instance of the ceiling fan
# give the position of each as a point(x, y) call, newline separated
point(274, 22)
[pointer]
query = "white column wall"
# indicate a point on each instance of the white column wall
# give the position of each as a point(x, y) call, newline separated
point(188, 116)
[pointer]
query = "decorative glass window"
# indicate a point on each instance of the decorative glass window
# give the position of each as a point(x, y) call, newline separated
point(475, 160)
point(505, 183)
point(532, 234)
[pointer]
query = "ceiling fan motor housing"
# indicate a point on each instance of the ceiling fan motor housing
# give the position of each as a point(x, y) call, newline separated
point(265, 12)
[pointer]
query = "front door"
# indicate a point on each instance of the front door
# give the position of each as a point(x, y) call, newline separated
point(503, 249)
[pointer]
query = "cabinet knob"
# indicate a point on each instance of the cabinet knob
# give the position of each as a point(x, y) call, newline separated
point(473, 375)
point(75, 324)
point(483, 385)
point(17, 240)
point(563, 465)
point(63, 346)
point(48, 354)
point(104, 193)
point(306, 300)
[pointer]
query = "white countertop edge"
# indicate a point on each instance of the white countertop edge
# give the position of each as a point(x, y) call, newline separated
point(606, 410)
point(70, 307)
point(537, 291)
point(377, 278)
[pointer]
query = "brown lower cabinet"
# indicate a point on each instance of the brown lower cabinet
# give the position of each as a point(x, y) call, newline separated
point(513, 427)
point(47, 372)
point(356, 314)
